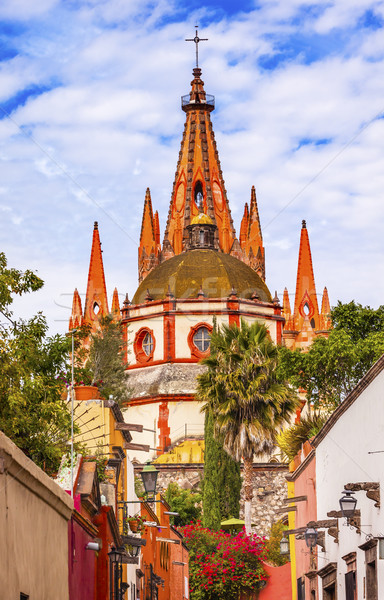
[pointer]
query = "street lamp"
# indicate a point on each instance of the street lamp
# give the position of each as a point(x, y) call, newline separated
point(310, 537)
point(284, 545)
point(347, 504)
point(116, 572)
point(149, 477)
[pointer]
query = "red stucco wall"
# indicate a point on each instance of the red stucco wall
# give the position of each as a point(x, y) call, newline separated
point(279, 583)
point(82, 563)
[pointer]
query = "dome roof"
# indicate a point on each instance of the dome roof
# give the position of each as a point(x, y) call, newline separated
point(216, 273)
point(201, 219)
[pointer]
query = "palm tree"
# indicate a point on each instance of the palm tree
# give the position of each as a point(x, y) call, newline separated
point(249, 404)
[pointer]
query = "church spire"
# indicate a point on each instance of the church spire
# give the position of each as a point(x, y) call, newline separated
point(305, 298)
point(96, 302)
point(198, 176)
point(149, 248)
point(115, 310)
point(306, 322)
point(76, 319)
point(254, 248)
point(244, 227)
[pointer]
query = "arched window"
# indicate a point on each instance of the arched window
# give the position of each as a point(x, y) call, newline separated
point(199, 193)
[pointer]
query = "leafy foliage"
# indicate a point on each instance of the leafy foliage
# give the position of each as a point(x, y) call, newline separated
point(273, 544)
point(222, 566)
point(101, 362)
point(241, 388)
point(248, 402)
point(186, 502)
point(332, 367)
point(222, 480)
point(290, 440)
point(33, 413)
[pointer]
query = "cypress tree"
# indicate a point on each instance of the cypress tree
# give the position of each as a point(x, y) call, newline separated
point(222, 482)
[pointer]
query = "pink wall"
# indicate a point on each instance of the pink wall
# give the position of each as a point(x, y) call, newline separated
point(305, 485)
point(81, 563)
point(279, 583)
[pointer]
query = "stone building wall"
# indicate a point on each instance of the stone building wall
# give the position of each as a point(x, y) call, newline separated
point(270, 489)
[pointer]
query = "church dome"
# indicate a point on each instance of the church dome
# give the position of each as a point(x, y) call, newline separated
point(215, 273)
point(201, 219)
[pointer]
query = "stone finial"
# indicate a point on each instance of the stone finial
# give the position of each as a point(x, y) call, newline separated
point(200, 293)
point(148, 297)
point(276, 298)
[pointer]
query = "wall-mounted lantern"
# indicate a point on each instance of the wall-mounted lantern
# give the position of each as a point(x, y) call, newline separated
point(149, 477)
point(284, 545)
point(310, 537)
point(348, 504)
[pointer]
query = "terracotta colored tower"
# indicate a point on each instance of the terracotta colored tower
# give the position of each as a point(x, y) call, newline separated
point(96, 301)
point(251, 238)
point(305, 323)
point(198, 177)
point(149, 248)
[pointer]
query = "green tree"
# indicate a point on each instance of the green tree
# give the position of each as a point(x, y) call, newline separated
point(222, 480)
point(185, 502)
point(32, 411)
point(333, 366)
point(248, 402)
point(103, 364)
point(273, 544)
point(291, 439)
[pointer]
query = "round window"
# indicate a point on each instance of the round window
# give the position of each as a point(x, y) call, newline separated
point(148, 344)
point(202, 339)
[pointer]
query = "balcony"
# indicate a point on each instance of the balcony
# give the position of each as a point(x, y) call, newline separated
point(186, 100)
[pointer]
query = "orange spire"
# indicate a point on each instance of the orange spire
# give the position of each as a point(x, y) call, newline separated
point(156, 228)
point(198, 175)
point(244, 227)
point(147, 235)
point(325, 306)
point(115, 305)
point(305, 298)
point(286, 304)
point(96, 302)
point(76, 319)
point(254, 248)
point(149, 248)
point(325, 316)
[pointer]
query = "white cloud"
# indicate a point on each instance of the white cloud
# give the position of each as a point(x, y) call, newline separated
point(109, 124)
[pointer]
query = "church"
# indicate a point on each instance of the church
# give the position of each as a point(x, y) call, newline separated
point(200, 273)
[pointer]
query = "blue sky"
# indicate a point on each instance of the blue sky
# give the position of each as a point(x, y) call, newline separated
point(90, 117)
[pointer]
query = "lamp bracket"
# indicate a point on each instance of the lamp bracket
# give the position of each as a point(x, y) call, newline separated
point(372, 489)
point(320, 539)
point(331, 524)
point(354, 521)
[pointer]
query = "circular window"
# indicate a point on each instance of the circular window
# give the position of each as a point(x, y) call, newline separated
point(144, 345)
point(148, 344)
point(202, 339)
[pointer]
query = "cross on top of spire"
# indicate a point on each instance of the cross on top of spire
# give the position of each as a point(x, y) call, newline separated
point(196, 39)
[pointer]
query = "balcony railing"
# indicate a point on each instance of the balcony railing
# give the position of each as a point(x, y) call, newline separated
point(185, 100)
point(187, 431)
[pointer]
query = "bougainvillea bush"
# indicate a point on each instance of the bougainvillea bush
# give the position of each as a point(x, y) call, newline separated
point(223, 566)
